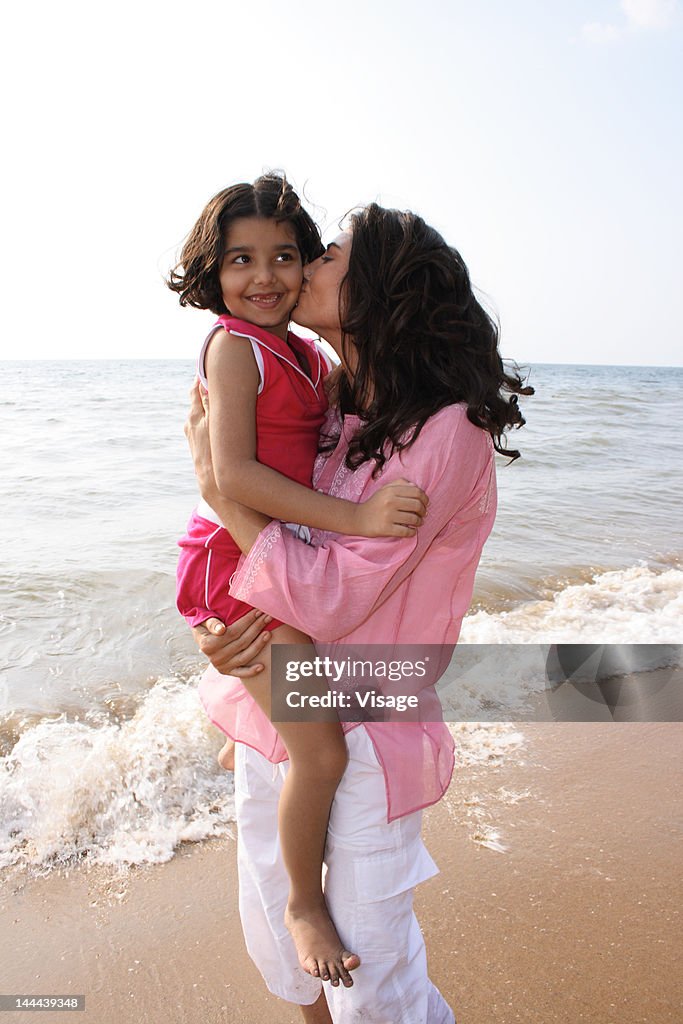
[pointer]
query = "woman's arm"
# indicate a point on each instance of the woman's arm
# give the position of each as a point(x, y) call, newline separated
point(233, 383)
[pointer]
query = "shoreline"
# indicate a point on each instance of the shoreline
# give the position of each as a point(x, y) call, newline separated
point(558, 901)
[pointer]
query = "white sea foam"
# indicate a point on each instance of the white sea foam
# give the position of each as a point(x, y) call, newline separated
point(480, 746)
point(501, 661)
point(631, 606)
point(118, 794)
point(485, 744)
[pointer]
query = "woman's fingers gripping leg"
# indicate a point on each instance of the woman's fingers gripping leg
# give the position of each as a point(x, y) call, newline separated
point(235, 649)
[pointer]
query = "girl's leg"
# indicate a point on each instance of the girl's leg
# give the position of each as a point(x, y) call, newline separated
point(317, 759)
point(264, 884)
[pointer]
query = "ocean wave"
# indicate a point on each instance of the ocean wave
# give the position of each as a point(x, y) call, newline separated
point(638, 605)
point(125, 793)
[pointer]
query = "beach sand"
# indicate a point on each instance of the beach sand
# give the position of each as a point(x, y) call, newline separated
point(558, 900)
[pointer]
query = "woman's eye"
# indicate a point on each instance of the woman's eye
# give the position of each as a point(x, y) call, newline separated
point(325, 259)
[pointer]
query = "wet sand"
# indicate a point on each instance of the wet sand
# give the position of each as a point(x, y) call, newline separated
point(559, 900)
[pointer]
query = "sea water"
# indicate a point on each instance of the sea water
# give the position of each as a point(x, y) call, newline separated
point(105, 752)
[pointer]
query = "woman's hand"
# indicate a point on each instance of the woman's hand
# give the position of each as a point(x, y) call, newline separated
point(232, 649)
point(197, 434)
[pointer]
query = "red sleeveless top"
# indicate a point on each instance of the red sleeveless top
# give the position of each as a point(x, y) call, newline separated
point(291, 405)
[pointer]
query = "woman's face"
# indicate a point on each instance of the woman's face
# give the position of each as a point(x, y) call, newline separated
point(318, 305)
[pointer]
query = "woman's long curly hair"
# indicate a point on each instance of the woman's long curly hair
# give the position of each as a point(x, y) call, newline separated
point(196, 275)
point(419, 337)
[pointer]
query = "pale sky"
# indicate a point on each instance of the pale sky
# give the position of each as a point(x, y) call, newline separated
point(542, 139)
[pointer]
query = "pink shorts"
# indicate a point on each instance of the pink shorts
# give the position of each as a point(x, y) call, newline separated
point(208, 558)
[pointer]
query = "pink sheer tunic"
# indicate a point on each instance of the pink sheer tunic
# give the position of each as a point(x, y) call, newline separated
point(355, 590)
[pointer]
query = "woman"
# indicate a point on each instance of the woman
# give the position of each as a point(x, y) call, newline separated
point(420, 399)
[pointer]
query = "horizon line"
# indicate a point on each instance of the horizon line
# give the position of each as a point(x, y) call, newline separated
point(189, 359)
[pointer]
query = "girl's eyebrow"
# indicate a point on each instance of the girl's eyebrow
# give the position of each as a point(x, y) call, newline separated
point(250, 248)
point(332, 244)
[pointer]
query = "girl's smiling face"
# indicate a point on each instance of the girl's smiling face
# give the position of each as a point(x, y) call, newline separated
point(318, 305)
point(261, 272)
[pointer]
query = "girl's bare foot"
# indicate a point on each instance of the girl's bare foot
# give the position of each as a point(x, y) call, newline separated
point(319, 948)
point(226, 756)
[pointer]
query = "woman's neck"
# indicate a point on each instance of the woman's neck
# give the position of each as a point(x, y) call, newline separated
point(334, 339)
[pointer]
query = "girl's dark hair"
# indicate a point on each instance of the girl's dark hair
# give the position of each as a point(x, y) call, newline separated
point(196, 275)
point(420, 338)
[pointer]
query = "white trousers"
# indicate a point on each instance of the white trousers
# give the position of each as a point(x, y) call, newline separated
point(371, 870)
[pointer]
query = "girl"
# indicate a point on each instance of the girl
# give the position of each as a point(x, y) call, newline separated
point(244, 261)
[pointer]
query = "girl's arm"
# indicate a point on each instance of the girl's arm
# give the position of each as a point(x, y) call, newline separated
point(395, 510)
